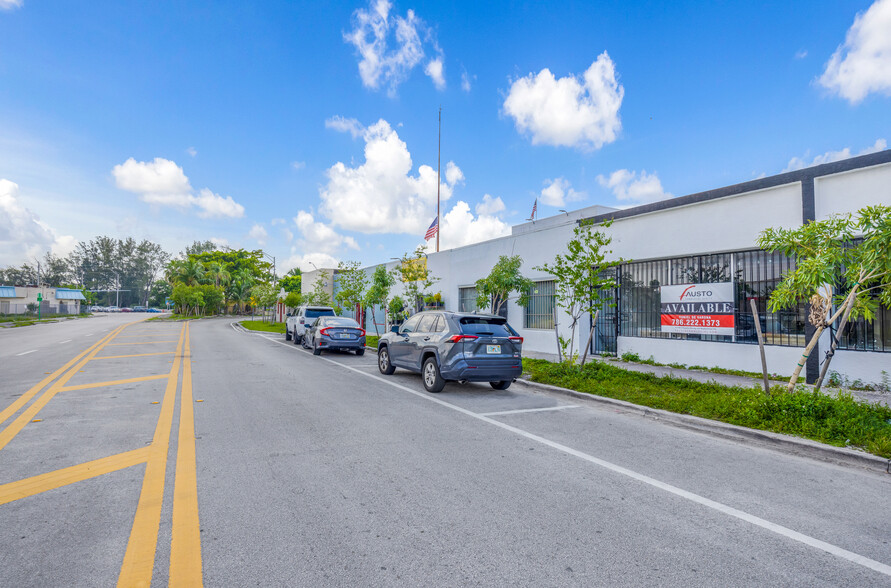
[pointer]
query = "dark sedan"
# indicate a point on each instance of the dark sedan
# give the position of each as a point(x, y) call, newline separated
point(335, 332)
point(460, 346)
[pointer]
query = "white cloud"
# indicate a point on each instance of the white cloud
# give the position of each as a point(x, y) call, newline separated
point(319, 236)
point(159, 182)
point(379, 64)
point(381, 195)
point(639, 189)
point(460, 227)
point(801, 54)
point(434, 69)
point(10, 4)
point(558, 192)
point(278, 221)
point(215, 206)
point(163, 183)
point(466, 81)
point(220, 242)
point(309, 262)
point(345, 125)
point(862, 64)
point(298, 164)
point(575, 111)
point(491, 205)
point(258, 233)
point(801, 162)
point(192, 151)
point(23, 235)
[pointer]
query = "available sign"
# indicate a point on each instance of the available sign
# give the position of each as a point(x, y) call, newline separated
point(703, 309)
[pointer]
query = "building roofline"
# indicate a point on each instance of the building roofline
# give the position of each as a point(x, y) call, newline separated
point(801, 175)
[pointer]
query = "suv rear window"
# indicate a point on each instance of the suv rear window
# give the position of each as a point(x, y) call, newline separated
point(486, 326)
point(317, 312)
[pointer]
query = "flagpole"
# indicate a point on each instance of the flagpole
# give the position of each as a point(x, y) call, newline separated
point(438, 161)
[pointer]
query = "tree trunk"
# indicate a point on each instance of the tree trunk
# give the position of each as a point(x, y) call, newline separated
point(760, 345)
point(557, 334)
point(374, 322)
point(834, 344)
point(807, 351)
point(590, 337)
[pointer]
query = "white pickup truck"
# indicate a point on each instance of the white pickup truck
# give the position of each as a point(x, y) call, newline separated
point(296, 324)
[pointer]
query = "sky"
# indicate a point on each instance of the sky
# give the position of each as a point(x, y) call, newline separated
point(310, 129)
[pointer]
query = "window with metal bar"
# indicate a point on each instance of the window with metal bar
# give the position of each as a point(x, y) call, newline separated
point(540, 310)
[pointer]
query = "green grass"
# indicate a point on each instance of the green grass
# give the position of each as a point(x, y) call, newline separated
point(635, 358)
point(840, 421)
point(266, 327)
point(371, 341)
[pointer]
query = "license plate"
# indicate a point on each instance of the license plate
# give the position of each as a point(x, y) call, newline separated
point(493, 349)
point(344, 335)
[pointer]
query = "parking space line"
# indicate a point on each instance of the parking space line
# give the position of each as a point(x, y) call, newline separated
point(112, 383)
point(786, 532)
point(135, 355)
point(140, 343)
point(79, 361)
point(26, 352)
point(550, 408)
point(65, 341)
point(70, 475)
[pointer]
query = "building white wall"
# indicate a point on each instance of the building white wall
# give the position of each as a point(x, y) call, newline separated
point(851, 191)
point(724, 224)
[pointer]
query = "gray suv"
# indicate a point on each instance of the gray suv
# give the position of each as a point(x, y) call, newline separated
point(461, 346)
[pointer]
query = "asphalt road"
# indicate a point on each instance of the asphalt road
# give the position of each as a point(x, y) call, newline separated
point(318, 471)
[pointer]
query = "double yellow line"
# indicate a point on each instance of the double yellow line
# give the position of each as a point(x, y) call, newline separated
point(138, 564)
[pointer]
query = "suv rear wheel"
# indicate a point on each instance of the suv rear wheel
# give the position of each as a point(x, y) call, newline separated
point(502, 385)
point(433, 381)
point(287, 334)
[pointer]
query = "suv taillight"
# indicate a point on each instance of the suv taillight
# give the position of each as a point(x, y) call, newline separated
point(458, 338)
point(516, 340)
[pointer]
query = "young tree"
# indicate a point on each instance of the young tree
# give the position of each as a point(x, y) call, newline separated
point(415, 276)
point(319, 294)
point(378, 293)
point(293, 299)
point(833, 267)
point(353, 282)
point(582, 277)
point(495, 289)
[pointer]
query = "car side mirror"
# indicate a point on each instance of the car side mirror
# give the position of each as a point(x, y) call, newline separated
point(394, 329)
point(289, 314)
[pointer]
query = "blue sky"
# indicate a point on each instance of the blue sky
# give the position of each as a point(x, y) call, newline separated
point(310, 129)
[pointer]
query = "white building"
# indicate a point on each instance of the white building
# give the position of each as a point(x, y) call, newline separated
point(15, 300)
point(700, 238)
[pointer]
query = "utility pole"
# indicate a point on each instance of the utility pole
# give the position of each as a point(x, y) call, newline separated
point(438, 162)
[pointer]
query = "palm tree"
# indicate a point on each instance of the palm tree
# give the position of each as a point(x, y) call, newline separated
point(217, 272)
point(240, 287)
point(190, 272)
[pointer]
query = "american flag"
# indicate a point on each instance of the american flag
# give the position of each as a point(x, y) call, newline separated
point(431, 231)
point(534, 208)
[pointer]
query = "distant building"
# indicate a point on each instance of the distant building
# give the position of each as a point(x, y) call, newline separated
point(15, 300)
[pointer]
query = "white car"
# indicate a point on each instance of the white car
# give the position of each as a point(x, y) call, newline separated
point(296, 324)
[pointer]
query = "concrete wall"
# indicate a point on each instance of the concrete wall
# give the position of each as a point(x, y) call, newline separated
point(851, 191)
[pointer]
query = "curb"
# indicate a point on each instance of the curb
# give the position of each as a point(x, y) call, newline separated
point(786, 443)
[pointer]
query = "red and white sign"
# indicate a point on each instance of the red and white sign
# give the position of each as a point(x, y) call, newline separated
point(699, 309)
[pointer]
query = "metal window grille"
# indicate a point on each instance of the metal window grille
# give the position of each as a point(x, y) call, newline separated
point(467, 299)
point(540, 310)
point(755, 273)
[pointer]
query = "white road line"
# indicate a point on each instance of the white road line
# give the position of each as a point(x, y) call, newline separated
point(489, 414)
point(26, 352)
point(88, 335)
point(701, 500)
point(65, 341)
